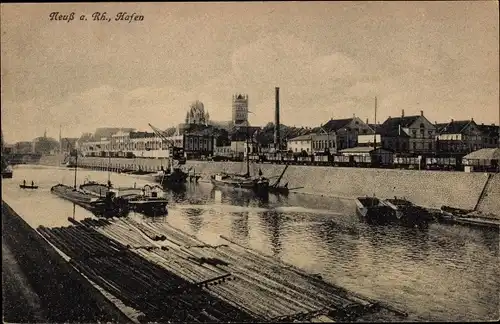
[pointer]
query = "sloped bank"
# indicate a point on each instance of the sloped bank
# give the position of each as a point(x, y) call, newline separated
point(64, 294)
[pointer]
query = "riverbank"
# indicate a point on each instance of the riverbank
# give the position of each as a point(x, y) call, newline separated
point(58, 291)
point(431, 189)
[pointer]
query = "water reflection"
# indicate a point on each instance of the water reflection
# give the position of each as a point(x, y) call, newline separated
point(444, 273)
point(239, 226)
point(273, 223)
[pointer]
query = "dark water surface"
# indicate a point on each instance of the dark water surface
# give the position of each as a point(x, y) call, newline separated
point(447, 273)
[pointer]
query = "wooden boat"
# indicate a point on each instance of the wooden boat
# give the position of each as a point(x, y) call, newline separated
point(94, 188)
point(451, 211)
point(175, 176)
point(408, 214)
point(373, 210)
point(258, 185)
point(106, 206)
point(280, 190)
point(23, 186)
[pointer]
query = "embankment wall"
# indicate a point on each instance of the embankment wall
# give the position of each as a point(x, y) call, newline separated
point(66, 296)
point(426, 188)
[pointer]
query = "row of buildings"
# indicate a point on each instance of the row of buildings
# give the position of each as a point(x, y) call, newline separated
point(199, 136)
point(406, 135)
point(414, 135)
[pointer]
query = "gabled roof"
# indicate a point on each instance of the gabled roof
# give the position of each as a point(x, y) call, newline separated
point(336, 124)
point(406, 121)
point(392, 126)
point(454, 127)
point(489, 130)
point(307, 137)
point(109, 131)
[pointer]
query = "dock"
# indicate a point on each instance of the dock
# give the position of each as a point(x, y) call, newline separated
point(151, 267)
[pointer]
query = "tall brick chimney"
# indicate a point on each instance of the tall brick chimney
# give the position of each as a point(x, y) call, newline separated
point(402, 112)
point(277, 120)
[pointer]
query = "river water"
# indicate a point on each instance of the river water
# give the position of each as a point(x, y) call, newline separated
point(444, 273)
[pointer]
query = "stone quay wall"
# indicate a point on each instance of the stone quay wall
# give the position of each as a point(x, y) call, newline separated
point(427, 188)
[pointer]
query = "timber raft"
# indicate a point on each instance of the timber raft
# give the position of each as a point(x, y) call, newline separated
point(164, 274)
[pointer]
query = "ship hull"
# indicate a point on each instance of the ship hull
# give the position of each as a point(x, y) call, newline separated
point(373, 211)
point(253, 185)
point(174, 178)
point(99, 207)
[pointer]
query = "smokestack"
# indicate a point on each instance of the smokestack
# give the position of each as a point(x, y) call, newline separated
point(421, 113)
point(277, 120)
point(402, 112)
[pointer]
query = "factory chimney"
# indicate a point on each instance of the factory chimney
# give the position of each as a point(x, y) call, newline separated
point(277, 143)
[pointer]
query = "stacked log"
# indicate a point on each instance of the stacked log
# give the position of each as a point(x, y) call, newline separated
point(147, 230)
point(138, 283)
point(195, 281)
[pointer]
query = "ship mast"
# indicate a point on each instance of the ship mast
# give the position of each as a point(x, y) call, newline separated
point(76, 159)
point(247, 154)
point(375, 133)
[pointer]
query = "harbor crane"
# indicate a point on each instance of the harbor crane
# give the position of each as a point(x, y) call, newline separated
point(176, 153)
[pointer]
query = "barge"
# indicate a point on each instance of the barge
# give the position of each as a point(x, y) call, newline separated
point(258, 185)
point(150, 203)
point(372, 210)
point(100, 206)
point(392, 211)
point(147, 200)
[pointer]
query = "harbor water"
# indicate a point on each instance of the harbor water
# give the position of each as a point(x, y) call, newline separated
point(443, 273)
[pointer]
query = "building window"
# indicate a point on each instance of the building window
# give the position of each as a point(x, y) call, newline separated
point(430, 146)
point(414, 145)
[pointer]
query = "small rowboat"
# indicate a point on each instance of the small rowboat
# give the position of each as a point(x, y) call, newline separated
point(28, 186)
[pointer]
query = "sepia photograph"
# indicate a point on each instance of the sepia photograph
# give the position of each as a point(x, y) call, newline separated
point(260, 162)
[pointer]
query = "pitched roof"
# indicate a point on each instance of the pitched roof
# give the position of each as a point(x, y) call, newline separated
point(484, 154)
point(406, 121)
point(391, 127)
point(489, 130)
point(454, 127)
point(336, 124)
point(306, 137)
point(108, 131)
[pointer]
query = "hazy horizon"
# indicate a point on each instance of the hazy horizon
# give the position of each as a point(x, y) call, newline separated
point(330, 59)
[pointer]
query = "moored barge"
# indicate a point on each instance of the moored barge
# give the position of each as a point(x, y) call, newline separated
point(100, 206)
point(373, 210)
point(392, 211)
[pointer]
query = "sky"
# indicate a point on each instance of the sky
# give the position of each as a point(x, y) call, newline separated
point(330, 60)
